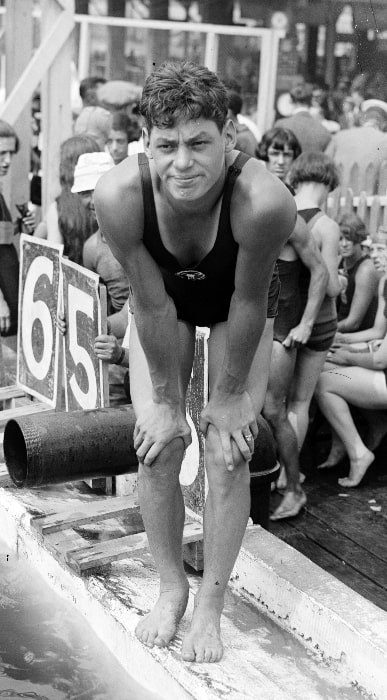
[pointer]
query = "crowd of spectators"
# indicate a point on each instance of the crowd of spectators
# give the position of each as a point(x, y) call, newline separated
point(333, 276)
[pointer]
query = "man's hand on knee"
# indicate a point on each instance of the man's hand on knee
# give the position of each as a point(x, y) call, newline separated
point(234, 419)
point(156, 427)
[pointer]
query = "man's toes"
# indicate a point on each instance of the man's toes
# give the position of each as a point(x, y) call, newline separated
point(188, 655)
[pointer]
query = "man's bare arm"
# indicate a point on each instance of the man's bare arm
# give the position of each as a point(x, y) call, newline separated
point(307, 250)
point(118, 203)
point(261, 225)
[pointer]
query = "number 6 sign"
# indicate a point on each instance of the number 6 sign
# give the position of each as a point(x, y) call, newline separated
point(37, 365)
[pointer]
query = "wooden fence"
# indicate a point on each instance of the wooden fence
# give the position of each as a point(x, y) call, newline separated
point(372, 209)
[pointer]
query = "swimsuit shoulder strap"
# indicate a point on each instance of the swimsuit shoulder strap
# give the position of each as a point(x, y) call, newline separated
point(233, 173)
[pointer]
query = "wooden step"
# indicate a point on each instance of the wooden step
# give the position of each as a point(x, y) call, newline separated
point(93, 556)
point(86, 513)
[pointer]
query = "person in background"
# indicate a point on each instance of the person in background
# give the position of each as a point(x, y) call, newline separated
point(357, 302)
point(9, 262)
point(313, 175)
point(88, 90)
point(311, 134)
point(361, 147)
point(67, 220)
point(96, 254)
point(190, 219)
point(95, 122)
point(246, 141)
point(293, 324)
point(124, 131)
point(361, 384)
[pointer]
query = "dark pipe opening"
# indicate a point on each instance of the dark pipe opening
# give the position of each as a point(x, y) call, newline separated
point(15, 453)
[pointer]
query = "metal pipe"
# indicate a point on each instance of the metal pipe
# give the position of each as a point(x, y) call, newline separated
point(59, 447)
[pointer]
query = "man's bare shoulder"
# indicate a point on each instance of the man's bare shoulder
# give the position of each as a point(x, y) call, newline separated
point(261, 202)
point(120, 184)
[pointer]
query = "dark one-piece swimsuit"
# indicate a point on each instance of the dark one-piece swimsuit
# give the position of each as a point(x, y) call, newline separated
point(202, 292)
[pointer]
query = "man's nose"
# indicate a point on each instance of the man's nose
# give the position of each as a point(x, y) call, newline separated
point(281, 158)
point(183, 158)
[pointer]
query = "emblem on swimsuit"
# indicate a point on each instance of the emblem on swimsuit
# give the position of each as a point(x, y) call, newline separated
point(191, 275)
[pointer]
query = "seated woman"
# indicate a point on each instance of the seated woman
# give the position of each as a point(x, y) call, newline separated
point(358, 301)
point(362, 384)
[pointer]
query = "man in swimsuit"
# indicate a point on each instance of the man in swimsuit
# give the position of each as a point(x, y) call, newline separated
point(198, 234)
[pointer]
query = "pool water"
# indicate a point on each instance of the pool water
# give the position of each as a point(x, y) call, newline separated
point(47, 650)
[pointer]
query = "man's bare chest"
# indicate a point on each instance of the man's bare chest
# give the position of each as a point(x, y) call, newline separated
point(188, 237)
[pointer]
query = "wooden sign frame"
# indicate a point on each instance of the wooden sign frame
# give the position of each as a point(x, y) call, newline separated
point(37, 363)
point(79, 360)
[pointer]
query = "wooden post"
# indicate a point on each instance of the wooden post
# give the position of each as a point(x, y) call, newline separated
point(18, 43)
point(56, 103)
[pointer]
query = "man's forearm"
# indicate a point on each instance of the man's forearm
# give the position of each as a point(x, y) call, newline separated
point(158, 334)
point(245, 326)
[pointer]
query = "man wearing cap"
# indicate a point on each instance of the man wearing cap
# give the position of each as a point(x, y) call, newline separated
point(362, 146)
point(311, 134)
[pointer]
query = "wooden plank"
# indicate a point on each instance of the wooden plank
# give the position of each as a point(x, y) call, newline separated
point(11, 392)
point(334, 566)
point(342, 547)
point(375, 216)
point(85, 513)
point(103, 553)
point(37, 67)
point(27, 410)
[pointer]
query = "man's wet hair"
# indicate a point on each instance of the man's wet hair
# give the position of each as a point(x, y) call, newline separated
point(352, 227)
point(314, 166)
point(183, 90)
point(278, 138)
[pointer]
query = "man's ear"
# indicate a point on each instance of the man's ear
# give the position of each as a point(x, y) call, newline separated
point(230, 134)
point(146, 139)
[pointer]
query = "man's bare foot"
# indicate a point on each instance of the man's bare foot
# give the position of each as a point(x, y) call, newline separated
point(290, 505)
point(202, 643)
point(159, 627)
point(357, 470)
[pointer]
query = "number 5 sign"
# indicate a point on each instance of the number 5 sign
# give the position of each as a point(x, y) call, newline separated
point(37, 338)
point(82, 309)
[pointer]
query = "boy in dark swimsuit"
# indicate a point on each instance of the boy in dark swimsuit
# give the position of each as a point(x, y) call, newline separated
point(193, 224)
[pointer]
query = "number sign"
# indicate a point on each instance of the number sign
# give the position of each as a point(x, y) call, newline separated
point(37, 344)
point(84, 373)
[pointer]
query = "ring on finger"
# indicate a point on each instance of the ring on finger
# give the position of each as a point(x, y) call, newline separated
point(248, 437)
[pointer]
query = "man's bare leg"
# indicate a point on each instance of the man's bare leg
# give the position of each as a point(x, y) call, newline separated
point(227, 510)
point(225, 519)
point(161, 502)
point(162, 508)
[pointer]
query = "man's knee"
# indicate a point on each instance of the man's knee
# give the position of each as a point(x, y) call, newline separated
point(166, 467)
point(220, 479)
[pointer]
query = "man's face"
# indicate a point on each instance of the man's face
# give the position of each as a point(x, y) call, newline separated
point(378, 253)
point(280, 160)
point(190, 157)
point(117, 144)
point(7, 151)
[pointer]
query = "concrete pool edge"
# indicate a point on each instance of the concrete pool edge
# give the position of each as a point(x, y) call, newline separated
point(327, 616)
